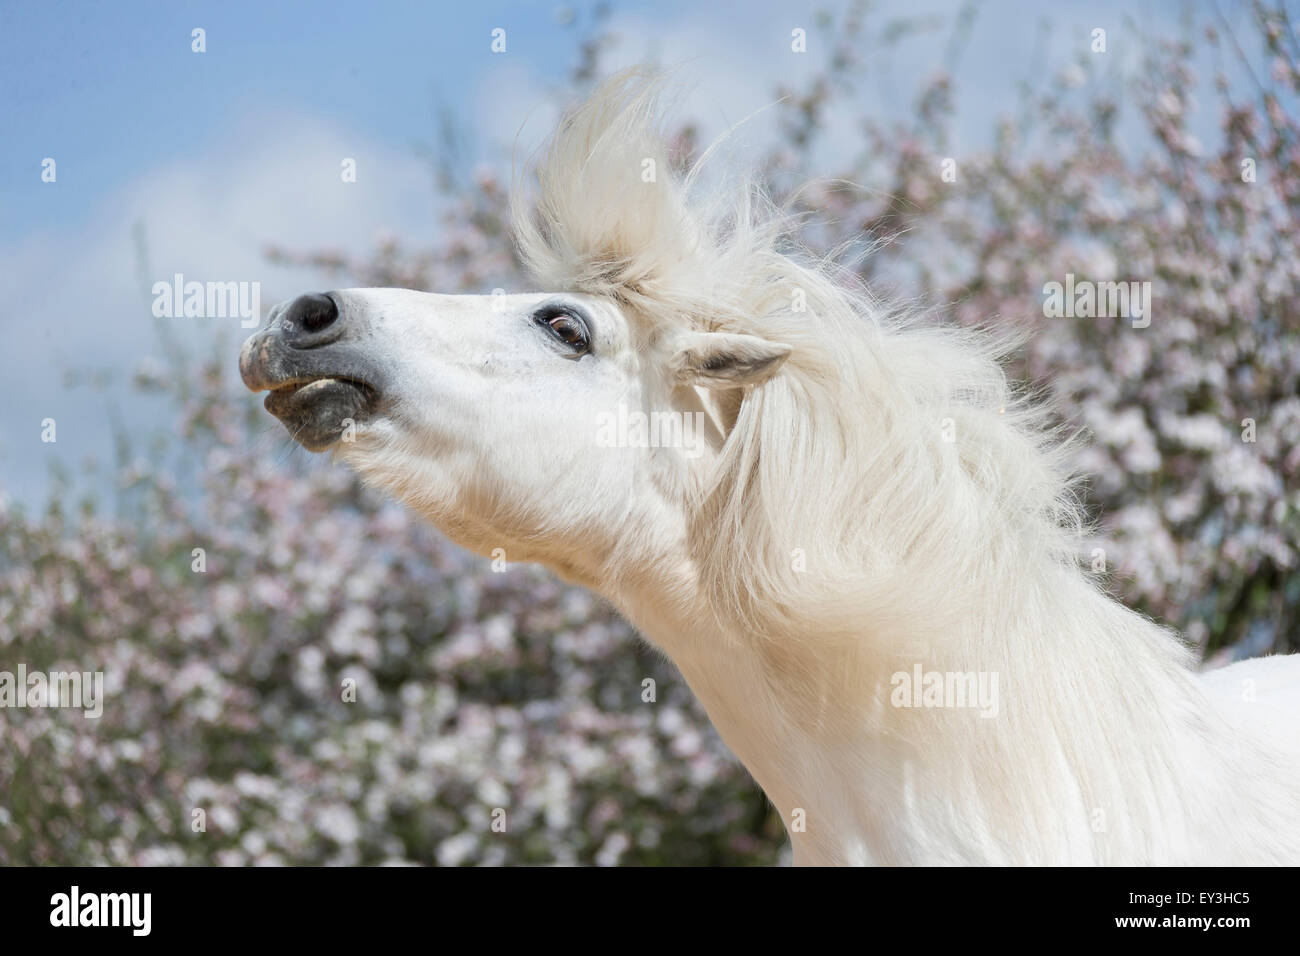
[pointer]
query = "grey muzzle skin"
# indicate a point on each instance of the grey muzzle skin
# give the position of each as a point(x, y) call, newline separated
point(308, 358)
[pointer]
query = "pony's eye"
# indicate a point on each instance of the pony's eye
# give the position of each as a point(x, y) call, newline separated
point(566, 327)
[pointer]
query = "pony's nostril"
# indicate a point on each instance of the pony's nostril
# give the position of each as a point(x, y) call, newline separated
point(312, 313)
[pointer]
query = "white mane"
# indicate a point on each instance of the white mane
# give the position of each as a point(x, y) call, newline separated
point(886, 499)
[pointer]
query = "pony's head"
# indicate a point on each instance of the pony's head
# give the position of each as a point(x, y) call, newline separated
point(524, 422)
point(561, 425)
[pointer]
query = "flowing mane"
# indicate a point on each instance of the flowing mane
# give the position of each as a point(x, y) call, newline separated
point(888, 498)
point(919, 456)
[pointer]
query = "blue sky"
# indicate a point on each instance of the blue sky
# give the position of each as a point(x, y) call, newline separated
point(114, 87)
point(213, 156)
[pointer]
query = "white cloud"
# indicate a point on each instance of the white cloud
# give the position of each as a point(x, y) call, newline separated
point(77, 298)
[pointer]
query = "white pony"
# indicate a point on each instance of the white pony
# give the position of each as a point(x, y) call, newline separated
point(865, 565)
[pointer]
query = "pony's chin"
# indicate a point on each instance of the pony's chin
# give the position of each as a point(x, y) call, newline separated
point(318, 413)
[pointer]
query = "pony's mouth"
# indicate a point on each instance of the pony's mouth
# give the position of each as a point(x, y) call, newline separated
point(321, 394)
point(318, 412)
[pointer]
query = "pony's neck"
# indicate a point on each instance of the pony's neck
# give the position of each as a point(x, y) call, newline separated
point(799, 775)
point(857, 779)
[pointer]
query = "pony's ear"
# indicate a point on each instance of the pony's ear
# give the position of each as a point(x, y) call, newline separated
point(726, 359)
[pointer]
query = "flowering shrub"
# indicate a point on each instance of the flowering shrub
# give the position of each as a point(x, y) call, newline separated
point(1191, 413)
point(299, 672)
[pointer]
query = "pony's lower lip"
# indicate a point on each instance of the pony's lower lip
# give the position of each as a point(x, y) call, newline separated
point(311, 389)
point(319, 411)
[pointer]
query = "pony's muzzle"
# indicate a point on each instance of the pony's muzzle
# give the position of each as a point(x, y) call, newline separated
point(321, 384)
